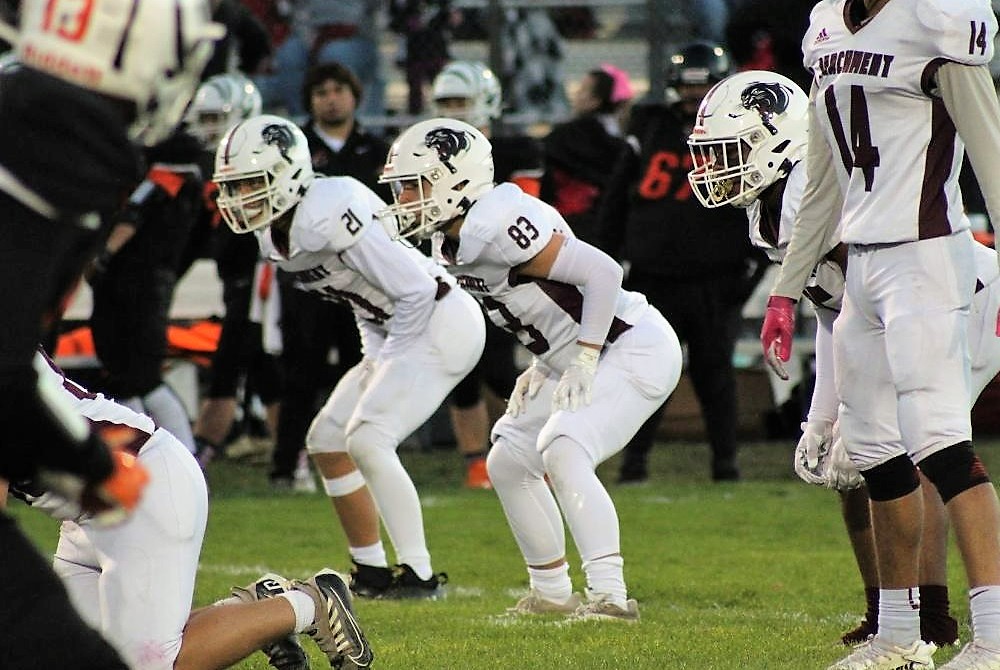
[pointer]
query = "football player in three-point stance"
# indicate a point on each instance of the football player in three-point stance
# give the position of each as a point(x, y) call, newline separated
point(134, 581)
point(900, 89)
point(604, 358)
point(748, 148)
point(420, 335)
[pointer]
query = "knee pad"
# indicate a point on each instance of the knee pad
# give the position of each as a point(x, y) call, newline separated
point(366, 440)
point(325, 437)
point(954, 469)
point(565, 459)
point(891, 480)
point(505, 467)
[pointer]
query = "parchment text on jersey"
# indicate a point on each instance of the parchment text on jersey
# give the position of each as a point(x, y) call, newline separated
point(856, 62)
point(472, 284)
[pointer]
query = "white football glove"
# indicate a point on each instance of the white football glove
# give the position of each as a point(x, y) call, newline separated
point(841, 474)
point(575, 387)
point(526, 387)
point(813, 451)
point(55, 506)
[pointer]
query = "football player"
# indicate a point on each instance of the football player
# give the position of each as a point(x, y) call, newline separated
point(471, 92)
point(420, 335)
point(96, 77)
point(221, 102)
point(900, 89)
point(604, 358)
point(134, 581)
point(748, 148)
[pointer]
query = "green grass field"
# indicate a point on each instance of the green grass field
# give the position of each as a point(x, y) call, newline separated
point(728, 576)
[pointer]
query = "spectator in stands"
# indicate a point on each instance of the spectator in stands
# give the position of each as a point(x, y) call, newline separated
point(425, 26)
point(767, 35)
point(312, 327)
point(346, 32)
point(579, 151)
point(246, 44)
point(279, 77)
point(532, 52)
point(698, 272)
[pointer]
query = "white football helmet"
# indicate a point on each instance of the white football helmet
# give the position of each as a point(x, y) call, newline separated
point(474, 82)
point(750, 129)
point(221, 102)
point(148, 52)
point(450, 162)
point(262, 167)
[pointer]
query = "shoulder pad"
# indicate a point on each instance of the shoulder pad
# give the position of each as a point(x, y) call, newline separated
point(959, 30)
point(334, 214)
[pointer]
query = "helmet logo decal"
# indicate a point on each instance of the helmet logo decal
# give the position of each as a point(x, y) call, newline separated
point(767, 99)
point(279, 136)
point(448, 143)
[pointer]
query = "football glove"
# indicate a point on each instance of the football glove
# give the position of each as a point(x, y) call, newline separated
point(776, 333)
point(841, 474)
point(107, 502)
point(526, 387)
point(575, 387)
point(813, 452)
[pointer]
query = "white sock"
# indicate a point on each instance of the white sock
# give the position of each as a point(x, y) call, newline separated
point(984, 604)
point(552, 584)
point(605, 576)
point(303, 606)
point(373, 554)
point(899, 616)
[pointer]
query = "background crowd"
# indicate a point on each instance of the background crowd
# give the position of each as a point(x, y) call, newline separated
point(604, 142)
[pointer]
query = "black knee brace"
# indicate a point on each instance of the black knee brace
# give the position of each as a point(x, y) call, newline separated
point(954, 469)
point(891, 480)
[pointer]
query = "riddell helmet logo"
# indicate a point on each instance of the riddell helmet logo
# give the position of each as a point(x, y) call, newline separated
point(448, 143)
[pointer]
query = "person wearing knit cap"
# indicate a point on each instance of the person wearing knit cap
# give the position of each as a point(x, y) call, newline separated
point(578, 152)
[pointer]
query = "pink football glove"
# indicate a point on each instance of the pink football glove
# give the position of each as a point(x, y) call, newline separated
point(776, 333)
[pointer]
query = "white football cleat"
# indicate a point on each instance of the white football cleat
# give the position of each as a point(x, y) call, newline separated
point(533, 603)
point(876, 654)
point(975, 656)
point(599, 606)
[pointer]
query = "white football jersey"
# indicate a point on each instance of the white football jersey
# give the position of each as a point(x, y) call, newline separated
point(504, 229)
point(896, 148)
point(772, 230)
point(93, 406)
point(339, 250)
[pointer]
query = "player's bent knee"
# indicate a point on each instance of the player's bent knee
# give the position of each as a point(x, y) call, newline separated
point(893, 479)
point(325, 438)
point(367, 438)
point(503, 466)
point(954, 469)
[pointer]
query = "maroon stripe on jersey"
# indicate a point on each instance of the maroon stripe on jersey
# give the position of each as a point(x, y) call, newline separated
point(132, 446)
point(570, 300)
point(932, 218)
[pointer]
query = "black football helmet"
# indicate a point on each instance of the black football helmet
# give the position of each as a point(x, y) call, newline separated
point(692, 71)
point(699, 63)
